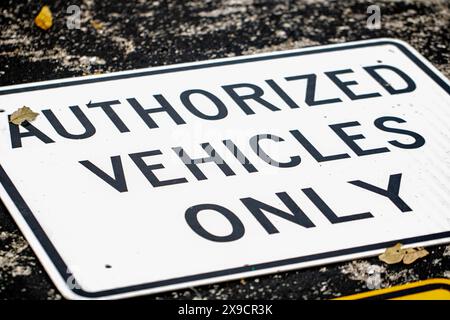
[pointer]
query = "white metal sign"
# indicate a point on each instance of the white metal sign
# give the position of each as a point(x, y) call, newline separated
point(156, 179)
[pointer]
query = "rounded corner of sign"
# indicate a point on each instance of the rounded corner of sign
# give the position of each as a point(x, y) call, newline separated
point(395, 42)
point(71, 294)
point(76, 293)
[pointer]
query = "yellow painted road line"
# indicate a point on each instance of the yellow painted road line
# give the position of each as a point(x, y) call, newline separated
point(432, 289)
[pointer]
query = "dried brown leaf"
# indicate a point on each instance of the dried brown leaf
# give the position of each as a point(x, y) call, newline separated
point(44, 19)
point(23, 114)
point(396, 254)
point(393, 254)
point(412, 255)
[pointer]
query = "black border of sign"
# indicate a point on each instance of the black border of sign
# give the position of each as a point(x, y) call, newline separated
point(60, 265)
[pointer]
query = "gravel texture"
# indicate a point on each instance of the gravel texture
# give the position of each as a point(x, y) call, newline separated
point(124, 35)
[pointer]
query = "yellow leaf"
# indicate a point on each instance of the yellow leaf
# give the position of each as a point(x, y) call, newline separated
point(23, 114)
point(44, 19)
point(393, 254)
point(98, 25)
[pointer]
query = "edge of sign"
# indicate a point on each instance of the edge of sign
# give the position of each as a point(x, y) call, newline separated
point(63, 82)
point(58, 270)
